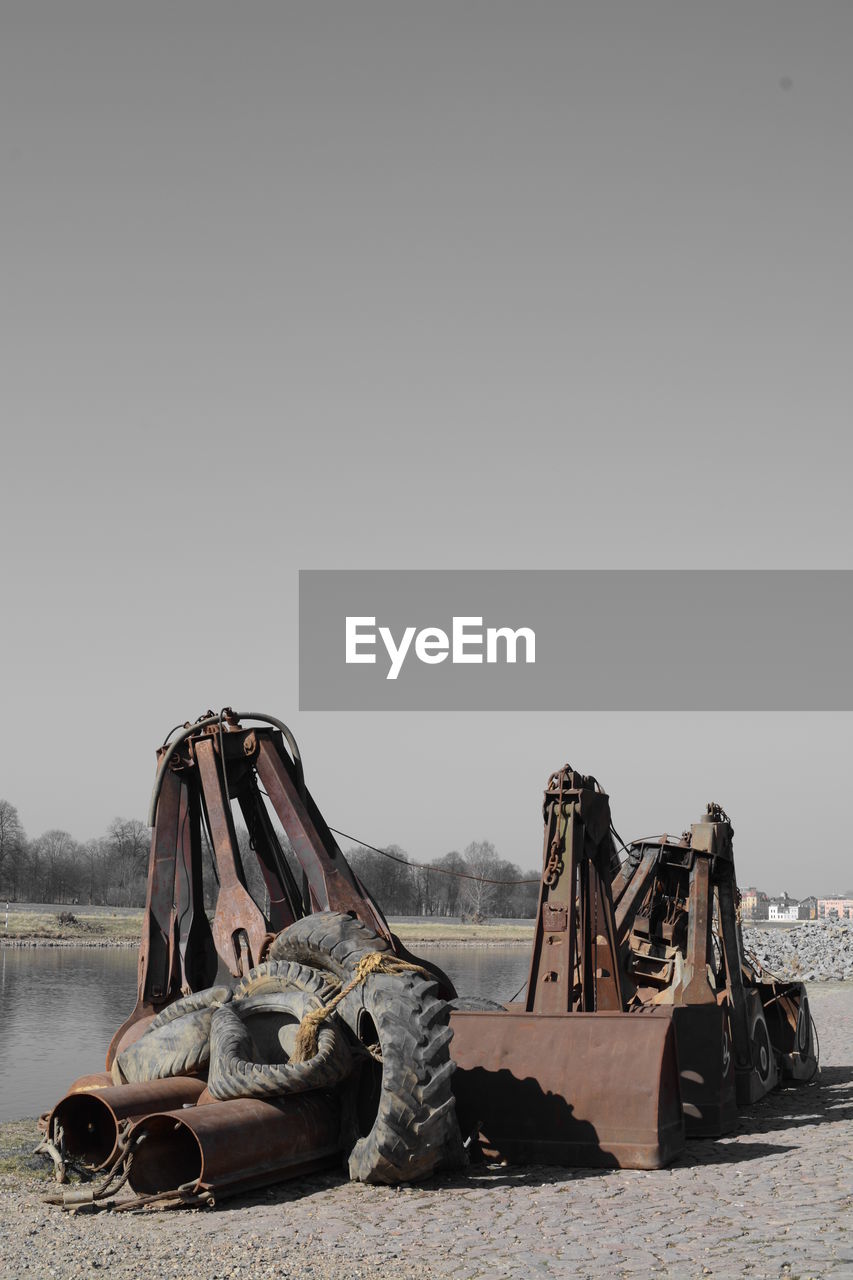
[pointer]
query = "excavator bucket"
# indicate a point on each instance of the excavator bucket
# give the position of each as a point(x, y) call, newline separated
point(706, 1069)
point(586, 1089)
point(569, 1076)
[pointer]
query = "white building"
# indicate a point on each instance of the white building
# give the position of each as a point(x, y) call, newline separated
point(784, 911)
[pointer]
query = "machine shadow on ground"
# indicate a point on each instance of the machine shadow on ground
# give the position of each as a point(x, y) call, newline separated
point(828, 1100)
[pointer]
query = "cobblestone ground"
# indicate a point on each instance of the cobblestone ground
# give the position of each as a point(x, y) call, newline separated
point(773, 1200)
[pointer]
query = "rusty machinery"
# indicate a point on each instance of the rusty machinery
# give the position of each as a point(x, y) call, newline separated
point(201, 770)
point(739, 1031)
point(616, 1027)
point(568, 1075)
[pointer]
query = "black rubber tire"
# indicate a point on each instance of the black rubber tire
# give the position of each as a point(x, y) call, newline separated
point(178, 1047)
point(327, 940)
point(803, 1035)
point(233, 1072)
point(205, 999)
point(762, 1052)
point(273, 1024)
point(413, 1132)
point(476, 1004)
point(286, 975)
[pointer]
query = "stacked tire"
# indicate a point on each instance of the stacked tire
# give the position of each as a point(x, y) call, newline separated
point(384, 1050)
point(400, 1112)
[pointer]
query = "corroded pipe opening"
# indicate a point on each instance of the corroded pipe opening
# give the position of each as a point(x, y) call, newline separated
point(89, 1127)
point(236, 1145)
point(169, 1157)
point(91, 1121)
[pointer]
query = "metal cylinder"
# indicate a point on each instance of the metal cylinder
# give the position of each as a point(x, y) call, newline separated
point(90, 1117)
point(228, 1147)
point(86, 1084)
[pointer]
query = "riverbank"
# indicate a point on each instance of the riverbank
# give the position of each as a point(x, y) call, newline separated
point(63, 926)
point(107, 928)
point(815, 951)
point(773, 1199)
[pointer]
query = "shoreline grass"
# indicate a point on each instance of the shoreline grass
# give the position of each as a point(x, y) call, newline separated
point(103, 927)
point(106, 928)
point(439, 931)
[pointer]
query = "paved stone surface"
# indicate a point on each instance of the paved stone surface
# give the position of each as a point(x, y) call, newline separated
point(773, 1200)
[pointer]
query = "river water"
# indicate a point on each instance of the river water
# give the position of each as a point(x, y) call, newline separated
point(59, 1007)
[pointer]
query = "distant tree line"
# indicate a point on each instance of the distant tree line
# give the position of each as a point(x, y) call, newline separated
point(430, 891)
point(112, 870)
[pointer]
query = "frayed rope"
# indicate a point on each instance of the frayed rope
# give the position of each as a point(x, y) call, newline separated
point(307, 1037)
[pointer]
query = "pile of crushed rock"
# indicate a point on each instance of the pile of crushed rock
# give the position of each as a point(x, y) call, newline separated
point(814, 951)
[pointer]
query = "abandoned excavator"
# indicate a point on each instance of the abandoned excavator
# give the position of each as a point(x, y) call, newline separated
point(298, 1033)
point(740, 1031)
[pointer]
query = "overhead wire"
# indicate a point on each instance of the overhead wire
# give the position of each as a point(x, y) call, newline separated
point(429, 866)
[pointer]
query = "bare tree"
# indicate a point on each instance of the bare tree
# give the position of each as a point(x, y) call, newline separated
point(448, 887)
point(127, 843)
point(481, 861)
point(12, 846)
point(56, 867)
point(95, 863)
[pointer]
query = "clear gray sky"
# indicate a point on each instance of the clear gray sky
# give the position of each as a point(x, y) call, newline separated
point(431, 285)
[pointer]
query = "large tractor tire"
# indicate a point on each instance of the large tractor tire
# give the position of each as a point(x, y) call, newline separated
point(401, 1117)
point(327, 940)
point(402, 1123)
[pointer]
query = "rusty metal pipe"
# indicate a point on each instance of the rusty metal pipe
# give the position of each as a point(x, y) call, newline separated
point(229, 1147)
point(91, 1118)
point(87, 1084)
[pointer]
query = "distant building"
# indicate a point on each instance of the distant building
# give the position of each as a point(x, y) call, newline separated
point(835, 908)
point(808, 908)
point(785, 910)
point(754, 904)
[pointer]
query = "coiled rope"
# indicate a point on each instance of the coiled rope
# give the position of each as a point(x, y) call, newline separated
point(374, 962)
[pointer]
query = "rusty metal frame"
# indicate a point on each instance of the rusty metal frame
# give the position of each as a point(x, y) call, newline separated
point(721, 1007)
point(569, 1076)
point(210, 766)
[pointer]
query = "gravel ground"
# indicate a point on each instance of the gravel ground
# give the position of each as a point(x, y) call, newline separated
point(773, 1200)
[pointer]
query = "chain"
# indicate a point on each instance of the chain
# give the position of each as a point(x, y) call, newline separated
point(554, 865)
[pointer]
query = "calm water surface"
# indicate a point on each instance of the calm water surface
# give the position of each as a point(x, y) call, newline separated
point(60, 1006)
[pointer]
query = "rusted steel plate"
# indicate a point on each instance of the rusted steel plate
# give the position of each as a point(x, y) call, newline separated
point(229, 1147)
point(707, 1069)
point(587, 1089)
point(333, 885)
point(90, 1119)
point(239, 927)
point(156, 945)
